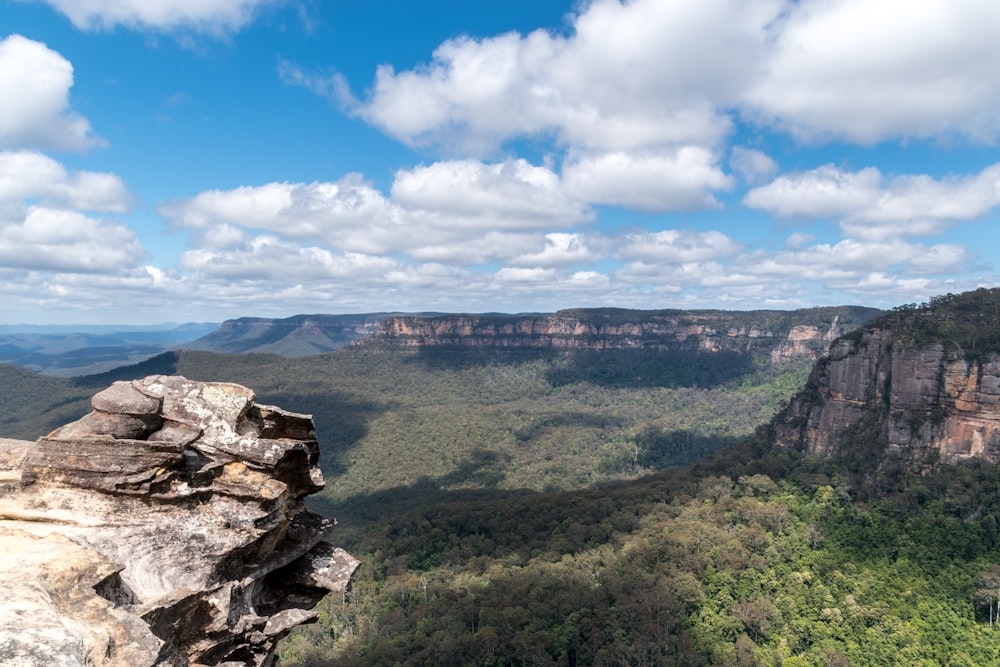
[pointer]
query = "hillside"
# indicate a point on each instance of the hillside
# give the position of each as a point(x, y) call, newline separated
point(67, 351)
point(296, 336)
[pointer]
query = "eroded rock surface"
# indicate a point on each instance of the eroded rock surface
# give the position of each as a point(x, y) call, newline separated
point(920, 403)
point(166, 527)
point(781, 335)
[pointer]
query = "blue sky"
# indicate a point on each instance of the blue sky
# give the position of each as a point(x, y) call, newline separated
point(197, 160)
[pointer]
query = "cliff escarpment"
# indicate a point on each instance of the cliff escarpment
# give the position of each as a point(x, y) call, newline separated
point(780, 334)
point(917, 386)
point(166, 527)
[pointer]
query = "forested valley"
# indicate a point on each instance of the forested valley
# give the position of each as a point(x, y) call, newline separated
point(527, 507)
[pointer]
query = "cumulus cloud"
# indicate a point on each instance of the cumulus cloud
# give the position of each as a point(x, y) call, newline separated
point(348, 214)
point(616, 83)
point(675, 180)
point(509, 274)
point(643, 74)
point(564, 249)
point(870, 71)
point(460, 211)
point(513, 195)
point(58, 240)
point(267, 258)
point(208, 16)
point(870, 206)
point(34, 86)
point(32, 175)
point(824, 192)
point(677, 247)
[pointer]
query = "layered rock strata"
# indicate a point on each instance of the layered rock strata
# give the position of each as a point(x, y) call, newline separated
point(915, 402)
point(166, 527)
point(781, 335)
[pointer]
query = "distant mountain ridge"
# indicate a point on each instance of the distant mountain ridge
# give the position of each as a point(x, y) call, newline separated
point(295, 336)
point(781, 334)
point(71, 350)
point(805, 333)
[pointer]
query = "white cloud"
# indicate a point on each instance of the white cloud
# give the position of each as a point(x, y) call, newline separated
point(348, 214)
point(509, 274)
point(869, 206)
point(56, 240)
point(564, 249)
point(34, 87)
point(486, 247)
point(798, 239)
point(266, 258)
point(428, 276)
point(940, 259)
point(332, 85)
point(646, 74)
point(676, 180)
point(677, 247)
point(752, 165)
point(824, 192)
point(870, 71)
point(209, 16)
point(510, 195)
point(630, 76)
point(31, 175)
point(461, 211)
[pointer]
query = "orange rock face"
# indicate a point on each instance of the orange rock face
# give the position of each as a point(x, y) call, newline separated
point(921, 403)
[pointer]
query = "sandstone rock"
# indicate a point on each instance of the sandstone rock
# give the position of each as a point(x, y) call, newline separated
point(783, 336)
point(166, 528)
point(922, 405)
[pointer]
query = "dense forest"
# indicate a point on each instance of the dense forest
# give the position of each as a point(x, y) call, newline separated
point(395, 420)
point(715, 564)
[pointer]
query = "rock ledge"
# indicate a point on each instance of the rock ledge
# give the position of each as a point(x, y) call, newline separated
point(166, 527)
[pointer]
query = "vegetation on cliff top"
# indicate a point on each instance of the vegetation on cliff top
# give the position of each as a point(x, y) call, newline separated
point(966, 324)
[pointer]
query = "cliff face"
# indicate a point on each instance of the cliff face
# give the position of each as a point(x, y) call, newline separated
point(896, 390)
point(782, 335)
point(166, 527)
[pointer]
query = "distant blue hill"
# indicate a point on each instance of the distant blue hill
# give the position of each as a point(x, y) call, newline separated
point(70, 350)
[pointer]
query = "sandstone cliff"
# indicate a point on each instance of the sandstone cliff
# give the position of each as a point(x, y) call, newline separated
point(918, 386)
point(781, 334)
point(166, 527)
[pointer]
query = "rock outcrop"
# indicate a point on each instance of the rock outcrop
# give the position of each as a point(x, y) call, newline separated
point(166, 527)
point(919, 386)
point(783, 335)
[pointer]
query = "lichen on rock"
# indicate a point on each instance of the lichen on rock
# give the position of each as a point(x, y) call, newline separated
point(166, 527)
